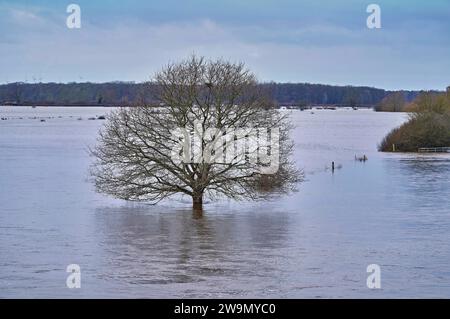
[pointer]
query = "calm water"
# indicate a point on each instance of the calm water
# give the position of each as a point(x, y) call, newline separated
point(393, 210)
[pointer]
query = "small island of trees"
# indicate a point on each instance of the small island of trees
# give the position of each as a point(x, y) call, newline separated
point(428, 126)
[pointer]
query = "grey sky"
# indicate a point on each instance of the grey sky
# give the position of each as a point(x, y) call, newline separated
point(286, 41)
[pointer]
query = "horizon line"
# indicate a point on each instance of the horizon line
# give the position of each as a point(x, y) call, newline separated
point(260, 82)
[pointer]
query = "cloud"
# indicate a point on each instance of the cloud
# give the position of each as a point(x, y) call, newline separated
point(316, 49)
point(25, 18)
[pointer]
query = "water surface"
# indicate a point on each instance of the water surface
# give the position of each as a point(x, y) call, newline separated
point(393, 210)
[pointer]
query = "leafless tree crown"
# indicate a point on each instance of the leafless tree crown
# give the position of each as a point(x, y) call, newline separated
point(134, 156)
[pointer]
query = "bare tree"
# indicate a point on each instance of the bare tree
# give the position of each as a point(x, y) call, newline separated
point(214, 132)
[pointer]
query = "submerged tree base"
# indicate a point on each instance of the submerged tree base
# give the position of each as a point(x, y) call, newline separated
point(197, 203)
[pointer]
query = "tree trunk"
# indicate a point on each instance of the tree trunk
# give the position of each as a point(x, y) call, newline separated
point(197, 201)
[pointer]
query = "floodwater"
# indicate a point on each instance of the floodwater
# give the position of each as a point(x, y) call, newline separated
point(393, 211)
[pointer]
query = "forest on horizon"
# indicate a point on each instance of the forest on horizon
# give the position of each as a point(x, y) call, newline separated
point(130, 93)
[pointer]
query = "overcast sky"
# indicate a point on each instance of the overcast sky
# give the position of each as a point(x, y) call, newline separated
point(285, 41)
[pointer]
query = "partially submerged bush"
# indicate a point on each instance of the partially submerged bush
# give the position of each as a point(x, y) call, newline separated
point(428, 126)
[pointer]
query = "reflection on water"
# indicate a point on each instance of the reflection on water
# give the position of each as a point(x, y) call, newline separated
point(430, 168)
point(422, 187)
point(392, 210)
point(178, 247)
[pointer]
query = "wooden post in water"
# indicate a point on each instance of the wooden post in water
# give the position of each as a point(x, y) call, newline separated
point(332, 167)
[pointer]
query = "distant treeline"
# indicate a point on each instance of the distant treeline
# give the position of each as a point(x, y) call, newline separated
point(128, 94)
point(101, 94)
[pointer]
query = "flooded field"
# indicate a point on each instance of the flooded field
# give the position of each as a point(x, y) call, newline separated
point(393, 210)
